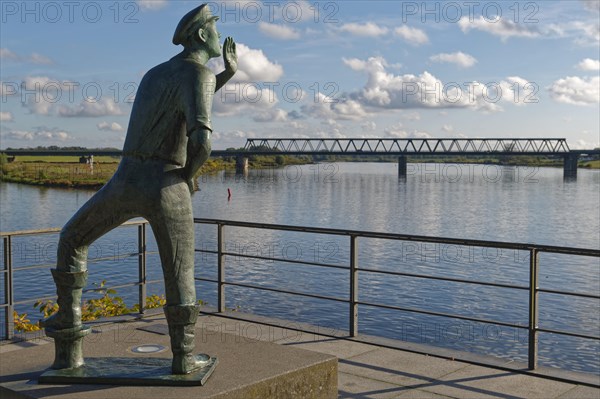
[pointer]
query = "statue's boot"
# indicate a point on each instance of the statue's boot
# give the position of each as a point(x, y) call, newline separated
point(69, 288)
point(182, 321)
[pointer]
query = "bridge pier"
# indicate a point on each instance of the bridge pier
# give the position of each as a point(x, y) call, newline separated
point(241, 165)
point(402, 161)
point(570, 166)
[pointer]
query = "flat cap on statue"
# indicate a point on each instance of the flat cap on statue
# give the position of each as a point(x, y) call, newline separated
point(192, 21)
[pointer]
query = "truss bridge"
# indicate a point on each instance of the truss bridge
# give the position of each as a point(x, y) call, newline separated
point(454, 146)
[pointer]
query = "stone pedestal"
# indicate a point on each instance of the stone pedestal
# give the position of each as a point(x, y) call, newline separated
point(247, 368)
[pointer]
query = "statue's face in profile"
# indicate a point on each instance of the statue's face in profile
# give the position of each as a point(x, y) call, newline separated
point(212, 39)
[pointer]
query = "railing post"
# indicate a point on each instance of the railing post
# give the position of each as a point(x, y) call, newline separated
point(221, 269)
point(533, 308)
point(353, 328)
point(142, 266)
point(8, 288)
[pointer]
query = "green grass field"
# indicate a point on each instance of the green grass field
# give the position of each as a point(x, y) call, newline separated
point(592, 164)
point(63, 159)
point(66, 171)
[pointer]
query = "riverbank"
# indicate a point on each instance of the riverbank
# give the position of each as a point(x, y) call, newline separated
point(67, 172)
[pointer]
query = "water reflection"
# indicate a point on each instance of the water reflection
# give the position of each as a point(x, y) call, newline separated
point(466, 201)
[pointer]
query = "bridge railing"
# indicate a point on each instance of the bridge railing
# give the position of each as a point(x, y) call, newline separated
point(523, 146)
point(353, 268)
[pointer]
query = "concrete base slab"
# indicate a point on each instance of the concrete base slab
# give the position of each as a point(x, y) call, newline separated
point(127, 371)
point(247, 368)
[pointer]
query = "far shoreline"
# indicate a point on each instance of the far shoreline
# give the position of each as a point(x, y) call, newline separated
point(73, 175)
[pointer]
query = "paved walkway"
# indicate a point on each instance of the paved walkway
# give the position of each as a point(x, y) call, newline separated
point(368, 371)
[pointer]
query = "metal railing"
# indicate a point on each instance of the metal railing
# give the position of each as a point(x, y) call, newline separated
point(353, 268)
point(9, 270)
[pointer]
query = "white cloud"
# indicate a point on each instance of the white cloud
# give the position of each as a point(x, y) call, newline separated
point(575, 90)
point(518, 91)
point(280, 32)
point(271, 115)
point(6, 54)
point(591, 5)
point(583, 144)
point(112, 127)
point(582, 33)
point(589, 65)
point(34, 58)
point(325, 107)
point(502, 27)
point(237, 98)
point(355, 64)
point(8, 89)
point(413, 36)
point(18, 135)
point(296, 125)
point(6, 117)
point(368, 126)
point(398, 131)
point(151, 5)
point(87, 108)
point(368, 29)
point(41, 93)
point(35, 102)
point(253, 66)
point(235, 138)
point(448, 128)
point(411, 116)
point(459, 58)
point(40, 133)
point(587, 33)
point(245, 91)
point(385, 90)
point(38, 83)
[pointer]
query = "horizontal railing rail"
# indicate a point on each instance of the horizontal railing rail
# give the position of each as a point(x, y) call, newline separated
point(352, 267)
point(9, 302)
point(531, 324)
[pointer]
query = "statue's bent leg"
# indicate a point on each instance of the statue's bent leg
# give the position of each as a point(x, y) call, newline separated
point(173, 228)
point(95, 218)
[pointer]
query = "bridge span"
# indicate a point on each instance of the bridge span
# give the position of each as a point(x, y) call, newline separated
point(365, 147)
point(422, 146)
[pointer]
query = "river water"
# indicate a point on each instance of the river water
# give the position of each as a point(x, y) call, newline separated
point(487, 202)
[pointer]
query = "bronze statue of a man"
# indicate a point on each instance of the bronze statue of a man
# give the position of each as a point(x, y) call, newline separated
point(168, 139)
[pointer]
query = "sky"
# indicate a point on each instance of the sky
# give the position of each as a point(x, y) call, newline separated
point(69, 70)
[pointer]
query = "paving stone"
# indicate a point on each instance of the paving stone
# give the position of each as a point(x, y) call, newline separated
point(351, 386)
point(581, 392)
point(483, 382)
point(419, 394)
point(399, 367)
point(341, 348)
